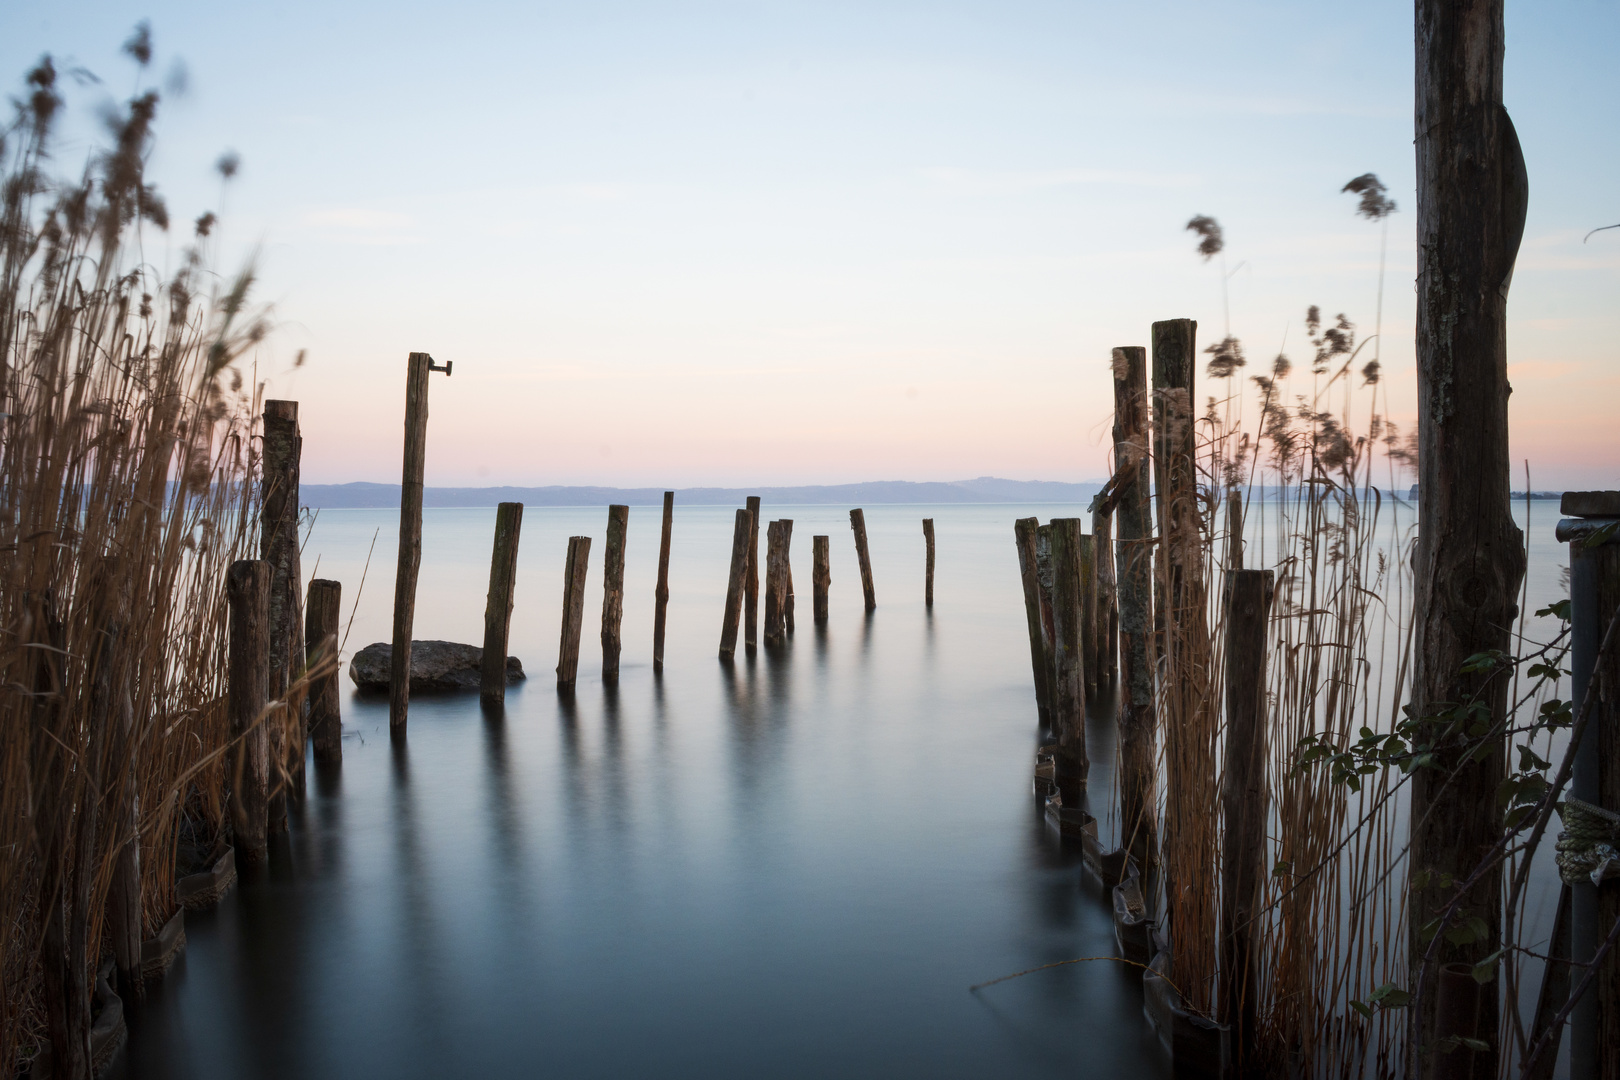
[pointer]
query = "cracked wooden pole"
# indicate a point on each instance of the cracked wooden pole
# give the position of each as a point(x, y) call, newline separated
point(247, 586)
point(1134, 521)
point(787, 575)
point(661, 595)
point(573, 611)
point(751, 579)
point(1107, 651)
point(1472, 193)
point(1024, 539)
point(321, 620)
point(741, 530)
point(1243, 807)
point(928, 587)
point(1088, 613)
point(775, 622)
point(278, 546)
point(1068, 675)
point(820, 577)
point(498, 602)
point(613, 590)
point(857, 522)
point(417, 369)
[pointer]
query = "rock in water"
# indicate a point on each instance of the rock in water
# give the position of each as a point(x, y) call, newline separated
point(435, 665)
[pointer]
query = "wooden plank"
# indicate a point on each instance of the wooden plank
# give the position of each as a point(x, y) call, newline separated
point(613, 590)
point(820, 576)
point(321, 621)
point(857, 522)
point(247, 588)
point(661, 595)
point(1068, 674)
point(787, 574)
point(498, 602)
point(775, 585)
point(1088, 614)
point(741, 531)
point(751, 578)
point(573, 611)
point(1106, 662)
point(928, 538)
point(410, 538)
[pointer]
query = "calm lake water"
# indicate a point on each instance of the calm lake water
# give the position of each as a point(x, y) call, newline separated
point(792, 866)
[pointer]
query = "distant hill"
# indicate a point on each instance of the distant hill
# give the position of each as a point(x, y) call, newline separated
point(985, 489)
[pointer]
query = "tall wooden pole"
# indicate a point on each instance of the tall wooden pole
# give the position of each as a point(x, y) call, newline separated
point(787, 574)
point(741, 531)
point(928, 539)
point(573, 611)
point(1068, 681)
point(613, 590)
point(1024, 537)
point(247, 586)
point(1471, 198)
point(820, 577)
point(661, 596)
point(321, 619)
point(417, 368)
point(857, 522)
point(751, 570)
point(278, 546)
point(1043, 589)
point(1137, 719)
point(1243, 806)
point(498, 602)
point(1089, 636)
point(775, 585)
point(1107, 659)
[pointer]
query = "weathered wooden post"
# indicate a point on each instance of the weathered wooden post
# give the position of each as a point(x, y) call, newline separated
point(1068, 681)
point(751, 608)
point(1043, 588)
point(1024, 537)
point(775, 624)
point(321, 618)
point(661, 596)
point(735, 587)
point(1088, 613)
point(1234, 529)
point(1243, 805)
point(820, 577)
point(498, 602)
point(417, 369)
point(928, 538)
point(573, 611)
point(787, 574)
point(278, 546)
point(613, 590)
point(1472, 193)
point(1107, 660)
point(247, 586)
point(857, 521)
point(1137, 718)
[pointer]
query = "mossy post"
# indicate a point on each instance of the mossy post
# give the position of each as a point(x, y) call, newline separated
point(1068, 674)
point(1134, 521)
point(751, 579)
point(417, 368)
point(573, 611)
point(247, 587)
point(820, 576)
point(742, 529)
point(857, 522)
point(278, 546)
point(928, 574)
point(1024, 538)
point(613, 590)
point(321, 619)
point(498, 602)
point(661, 595)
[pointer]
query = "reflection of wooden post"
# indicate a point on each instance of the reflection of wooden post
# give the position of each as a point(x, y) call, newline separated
point(1135, 524)
point(661, 596)
point(613, 590)
point(751, 572)
point(775, 624)
point(278, 546)
point(820, 577)
point(248, 588)
point(857, 521)
point(573, 610)
point(1243, 805)
point(1024, 537)
point(321, 616)
point(410, 535)
point(734, 583)
point(498, 603)
point(1068, 683)
point(928, 536)
point(787, 574)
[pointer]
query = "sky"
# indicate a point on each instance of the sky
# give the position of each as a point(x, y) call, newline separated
point(822, 242)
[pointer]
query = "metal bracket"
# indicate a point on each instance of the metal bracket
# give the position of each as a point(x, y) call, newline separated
point(448, 364)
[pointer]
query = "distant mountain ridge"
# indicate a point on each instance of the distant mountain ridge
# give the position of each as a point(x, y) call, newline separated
point(984, 489)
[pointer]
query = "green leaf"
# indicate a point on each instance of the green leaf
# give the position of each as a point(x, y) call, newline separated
point(1558, 609)
point(1283, 868)
point(1485, 970)
point(1389, 996)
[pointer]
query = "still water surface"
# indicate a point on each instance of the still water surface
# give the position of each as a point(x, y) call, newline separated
point(792, 866)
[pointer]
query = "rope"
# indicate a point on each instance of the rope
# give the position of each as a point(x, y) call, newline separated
point(1589, 846)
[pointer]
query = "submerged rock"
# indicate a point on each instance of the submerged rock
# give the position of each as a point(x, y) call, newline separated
point(435, 665)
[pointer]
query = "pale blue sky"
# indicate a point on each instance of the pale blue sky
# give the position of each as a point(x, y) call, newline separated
point(792, 242)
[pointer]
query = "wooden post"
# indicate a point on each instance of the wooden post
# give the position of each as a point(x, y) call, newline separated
point(498, 602)
point(247, 585)
point(278, 546)
point(1137, 719)
point(787, 574)
point(1234, 529)
point(613, 590)
point(1107, 655)
point(741, 531)
point(775, 622)
point(1068, 682)
point(1472, 193)
point(1088, 613)
point(573, 611)
point(820, 577)
point(417, 368)
point(751, 613)
point(1243, 805)
point(661, 596)
point(321, 620)
point(1024, 537)
point(928, 538)
point(857, 521)
point(1043, 588)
